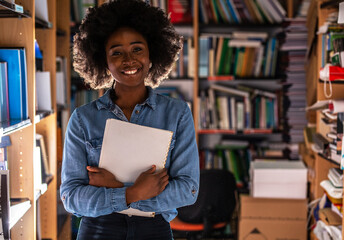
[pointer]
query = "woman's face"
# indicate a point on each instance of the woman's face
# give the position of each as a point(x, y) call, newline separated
point(127, 56)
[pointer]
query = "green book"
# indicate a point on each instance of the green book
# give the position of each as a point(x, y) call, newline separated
point(223, 57)
point(228, 61)
point(236, 170)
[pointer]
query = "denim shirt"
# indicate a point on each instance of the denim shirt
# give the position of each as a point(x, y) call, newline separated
point(83, 142)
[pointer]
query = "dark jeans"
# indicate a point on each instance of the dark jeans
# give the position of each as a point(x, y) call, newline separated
point(117, 226)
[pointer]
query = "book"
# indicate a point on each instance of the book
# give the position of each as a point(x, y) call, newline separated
point(271, 10)
point(5, 204)
point(41, 10)
point(4, 143)
point(24, 92)
point(45, 172)
point(43, 91)
point(233, 11)
point(37, 166)
point(239, 93)
point(203, 12)
point(18, 207)
point(203, 60)
point(335, 175)
point(130, 149)
point(180, 11)
point(335, 192)
point(191, 58)
point(4, 112)
point(38, 57)
point(255, 15)
point(12, 57)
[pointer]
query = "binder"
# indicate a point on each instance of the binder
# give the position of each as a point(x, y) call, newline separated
point(129, 149)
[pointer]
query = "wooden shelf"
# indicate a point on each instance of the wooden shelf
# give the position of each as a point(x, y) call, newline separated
point(61, 33)
point(332, 82)
point(272, 29)
point(268, 84)
point(41, 115)
point(185, 30)
point(329, 159)
point(330, 4)
point(12, 126)
point(236, 132)
point(40, 23)
point(18, 209)
point(9, 10)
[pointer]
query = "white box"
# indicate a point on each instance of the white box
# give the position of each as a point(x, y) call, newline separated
point(279, 179)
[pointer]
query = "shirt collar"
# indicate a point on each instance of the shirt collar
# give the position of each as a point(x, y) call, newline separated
point(105, 100)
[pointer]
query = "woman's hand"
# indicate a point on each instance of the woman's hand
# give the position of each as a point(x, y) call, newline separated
point(100, 177)
point(149, 184)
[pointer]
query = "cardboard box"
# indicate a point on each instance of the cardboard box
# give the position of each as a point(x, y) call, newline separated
point(279, 179)
point(267, 219)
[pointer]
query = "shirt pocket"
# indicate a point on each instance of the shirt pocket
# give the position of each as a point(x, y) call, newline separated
point(93, 148)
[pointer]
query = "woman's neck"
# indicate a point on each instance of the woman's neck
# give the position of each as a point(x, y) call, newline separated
point(127, 98)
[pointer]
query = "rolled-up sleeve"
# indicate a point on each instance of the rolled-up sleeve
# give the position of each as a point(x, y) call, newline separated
point(183, 185)
point(78, 196)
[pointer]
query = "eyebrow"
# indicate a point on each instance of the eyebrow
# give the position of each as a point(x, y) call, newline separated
point(132, 43)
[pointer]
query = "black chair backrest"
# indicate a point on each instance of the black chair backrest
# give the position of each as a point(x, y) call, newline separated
point(216, 199)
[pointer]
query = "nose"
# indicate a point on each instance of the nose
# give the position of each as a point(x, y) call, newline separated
point(128, 59)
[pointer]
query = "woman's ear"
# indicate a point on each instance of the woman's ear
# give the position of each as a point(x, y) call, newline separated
point(150, 65)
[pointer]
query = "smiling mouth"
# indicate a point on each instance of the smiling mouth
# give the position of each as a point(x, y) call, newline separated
point(131, 71)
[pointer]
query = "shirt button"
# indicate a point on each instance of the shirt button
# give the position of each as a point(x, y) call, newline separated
point(137, 111)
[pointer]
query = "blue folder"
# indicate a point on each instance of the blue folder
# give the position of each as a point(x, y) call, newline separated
point(12, 57)
point(4, 112)
point(24, 83)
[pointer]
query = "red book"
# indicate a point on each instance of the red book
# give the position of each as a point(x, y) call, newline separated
point(180, 11)
point(221, 78)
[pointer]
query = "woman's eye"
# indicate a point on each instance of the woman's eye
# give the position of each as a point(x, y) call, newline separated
point(137, 49)
point(116, 53)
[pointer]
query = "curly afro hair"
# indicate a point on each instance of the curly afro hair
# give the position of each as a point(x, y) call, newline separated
point(89, 55)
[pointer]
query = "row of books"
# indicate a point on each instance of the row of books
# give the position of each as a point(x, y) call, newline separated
point(79, 8)
point(12, 209)
point(4, 144)
point(333, 35)
point(329, 213)
point(328, 139)
point(13, 84)
point(41, 163)
point(80, 97)
point(61, 81)
point(292, 62)
point(229, 108)
point(179, 11)
point(328, 134)
point(236, 156)
point(241, 11)
point(235, 160)
point(244, 54)
point(182, 66)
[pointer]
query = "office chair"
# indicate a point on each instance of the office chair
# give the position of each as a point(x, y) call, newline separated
point(213, 210)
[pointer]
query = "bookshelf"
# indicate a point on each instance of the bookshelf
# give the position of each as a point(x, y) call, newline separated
point(319, 164)
point(210, 138)
point(63, 50)
point(19, 28)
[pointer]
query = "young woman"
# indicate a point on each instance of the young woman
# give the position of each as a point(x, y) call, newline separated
point(128, 47)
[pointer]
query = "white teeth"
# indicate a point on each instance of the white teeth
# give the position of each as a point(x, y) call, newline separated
point(130, 72)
